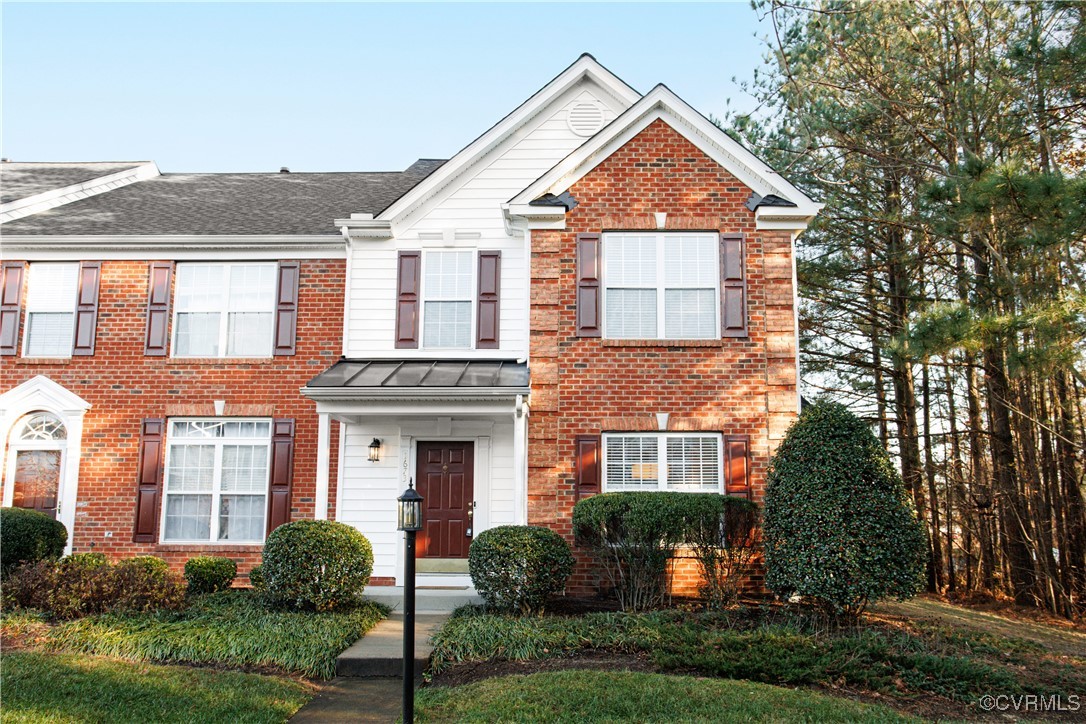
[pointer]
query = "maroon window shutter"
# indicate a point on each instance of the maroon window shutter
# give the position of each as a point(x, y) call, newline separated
point(408, 273)
point(286, 308)
point(11, 300)
point(587, 448)
point(282, 473)
point(737, 465)
point(86, 308)
point(490, 271)
point(158, 309)
point(588, 286)
point(733, 286)
point(149, 480)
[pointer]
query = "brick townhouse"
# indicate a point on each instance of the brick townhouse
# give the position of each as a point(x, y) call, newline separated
point(596, 294)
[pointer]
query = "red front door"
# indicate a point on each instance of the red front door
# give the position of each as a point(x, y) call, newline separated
point(445, 473)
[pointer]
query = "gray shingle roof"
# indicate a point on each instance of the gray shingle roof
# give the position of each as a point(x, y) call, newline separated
point(228, 203)
point(19, 180)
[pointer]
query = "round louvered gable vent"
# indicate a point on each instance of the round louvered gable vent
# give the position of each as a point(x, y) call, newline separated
point(585, 119)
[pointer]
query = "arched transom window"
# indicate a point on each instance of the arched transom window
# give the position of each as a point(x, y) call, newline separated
point(41, 426)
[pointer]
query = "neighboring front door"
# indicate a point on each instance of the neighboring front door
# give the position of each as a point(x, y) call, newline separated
point(37, 480)
point(445, 474)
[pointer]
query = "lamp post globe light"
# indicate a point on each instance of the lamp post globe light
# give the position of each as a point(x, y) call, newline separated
point(409, 520)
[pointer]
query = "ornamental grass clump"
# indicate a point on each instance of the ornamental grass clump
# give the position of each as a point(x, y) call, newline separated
point(516, 568)
point(839, 527)
point(316, 565)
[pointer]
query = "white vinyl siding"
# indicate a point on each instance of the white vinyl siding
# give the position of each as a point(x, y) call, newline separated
point(661, 286)
point(216, 481)
point(224, 310)
point(50, 310)
point(448, 296)
point(687, 462)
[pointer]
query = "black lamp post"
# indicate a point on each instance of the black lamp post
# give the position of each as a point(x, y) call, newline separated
point(410, 522)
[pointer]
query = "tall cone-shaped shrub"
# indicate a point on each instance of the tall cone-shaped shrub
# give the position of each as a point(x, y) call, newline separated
point(839, 526)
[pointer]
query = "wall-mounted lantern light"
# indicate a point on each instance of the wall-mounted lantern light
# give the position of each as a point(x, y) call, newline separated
point(375, 451)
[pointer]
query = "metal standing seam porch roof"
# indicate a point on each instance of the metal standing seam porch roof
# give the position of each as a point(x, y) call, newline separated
point(387, 378)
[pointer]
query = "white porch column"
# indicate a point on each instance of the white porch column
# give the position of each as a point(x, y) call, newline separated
point(520, 461)
point(324, 437)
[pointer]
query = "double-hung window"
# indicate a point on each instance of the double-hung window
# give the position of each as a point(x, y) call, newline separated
point(690, 462)
point(661, 285)
point(448, 296)
point(50, 309)
point(216, 481)
point(224, 310)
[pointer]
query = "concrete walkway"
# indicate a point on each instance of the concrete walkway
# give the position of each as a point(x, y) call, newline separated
point(368, 685)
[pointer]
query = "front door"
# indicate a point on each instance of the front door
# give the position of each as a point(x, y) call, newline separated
point(445, 473)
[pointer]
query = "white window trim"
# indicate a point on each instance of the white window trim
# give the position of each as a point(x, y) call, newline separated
point(27, 312)
point(216, 481)
point(224, 318)
point(661, 462)
point(472, 300)
point(661, 286)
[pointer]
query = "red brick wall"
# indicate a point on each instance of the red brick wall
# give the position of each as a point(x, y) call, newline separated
point(124, 386)
point(585, 386)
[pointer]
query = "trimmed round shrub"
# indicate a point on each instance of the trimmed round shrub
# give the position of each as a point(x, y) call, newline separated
point(89, 560)
point(145, 583)
point(839, 526)
point(515, 568)
point(29, 536)
point(208, 574)
point(256, 577)
point(317, 565)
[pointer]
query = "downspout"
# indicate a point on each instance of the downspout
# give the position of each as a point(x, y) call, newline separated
point(349, 248)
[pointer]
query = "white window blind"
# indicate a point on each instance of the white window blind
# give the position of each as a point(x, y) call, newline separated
point(661, 286)
point(50, 309)
point(448, 294)
point(690, 462)
point(224, 310)
point(216, 481)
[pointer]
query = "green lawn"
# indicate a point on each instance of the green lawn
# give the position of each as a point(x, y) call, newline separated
point(228, 629)
point(623, 696)
point(782, 647)
point(40, 687)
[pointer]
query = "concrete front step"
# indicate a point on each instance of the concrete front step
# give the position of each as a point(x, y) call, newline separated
point(439, 599)
point(380, 652)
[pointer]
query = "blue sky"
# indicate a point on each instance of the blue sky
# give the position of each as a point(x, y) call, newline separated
point(332, 87)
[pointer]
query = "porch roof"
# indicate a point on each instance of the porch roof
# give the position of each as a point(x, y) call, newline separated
point(387, 377)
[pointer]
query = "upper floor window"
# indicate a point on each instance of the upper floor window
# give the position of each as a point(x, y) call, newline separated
point(50, 309)
point(448, 294)
point(689, 462)
point(224, 310)
point(217, 474)
point(661, 286)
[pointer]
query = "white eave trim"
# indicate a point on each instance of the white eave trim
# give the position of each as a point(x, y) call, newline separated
point(414, 394)
point(585, 66)
point(31, 248)
point(36, 203)
point(365, 229)
point(662, 103)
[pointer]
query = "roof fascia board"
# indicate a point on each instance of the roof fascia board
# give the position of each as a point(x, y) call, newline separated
point(39, 248)
point(662, 103)
point(53, 198)
point(387, 394)
point(585, 66)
